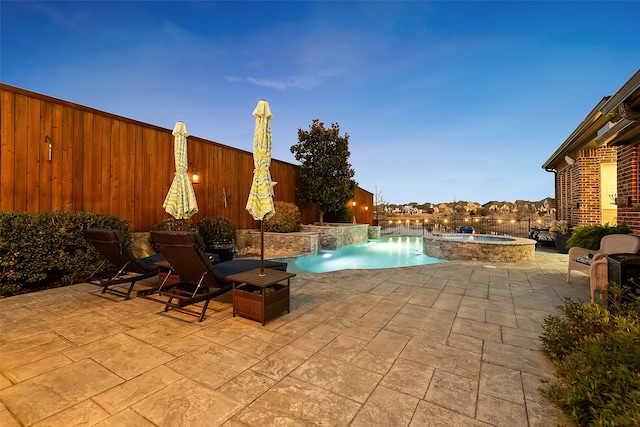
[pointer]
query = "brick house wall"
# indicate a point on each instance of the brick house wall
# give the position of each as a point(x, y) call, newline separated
point(606, 149)
point(579, 187)
point(629, 186)
point(563, 192)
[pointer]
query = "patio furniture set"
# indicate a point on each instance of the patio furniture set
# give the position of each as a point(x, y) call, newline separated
point(189, 275)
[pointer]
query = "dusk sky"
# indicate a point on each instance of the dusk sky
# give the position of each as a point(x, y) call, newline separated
point(441, 100)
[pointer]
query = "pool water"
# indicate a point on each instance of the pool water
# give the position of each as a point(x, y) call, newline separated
point(388, 252)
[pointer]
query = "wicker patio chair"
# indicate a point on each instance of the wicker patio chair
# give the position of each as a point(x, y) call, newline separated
point(594, 263)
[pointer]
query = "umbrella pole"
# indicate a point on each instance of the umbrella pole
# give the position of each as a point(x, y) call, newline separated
point(262, 247)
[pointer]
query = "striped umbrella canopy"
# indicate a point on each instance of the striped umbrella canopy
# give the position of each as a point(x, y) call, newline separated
point(180, 202)
point(260, 202)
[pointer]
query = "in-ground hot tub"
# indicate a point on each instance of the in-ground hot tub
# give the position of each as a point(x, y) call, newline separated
point(479, 247)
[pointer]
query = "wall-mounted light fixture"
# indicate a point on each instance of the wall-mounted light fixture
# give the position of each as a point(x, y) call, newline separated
point(353, 204)
point(366, 208)
point(47, 139)
point(569, 160)
point(195, 176)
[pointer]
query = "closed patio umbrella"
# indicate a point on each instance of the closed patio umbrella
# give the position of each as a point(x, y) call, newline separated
point(260, 202)
point(180, 202)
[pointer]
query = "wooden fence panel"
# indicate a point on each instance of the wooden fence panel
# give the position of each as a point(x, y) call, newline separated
point(21, 165)
point(104, 163)
point(76, 132)
point(45, 170)
point(33, 154)
point(86, 162)
point(8, 173)
point(54, 146)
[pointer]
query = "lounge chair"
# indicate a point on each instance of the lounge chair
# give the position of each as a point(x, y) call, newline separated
point(200, 280)
point(128, 268)
point(594, 263)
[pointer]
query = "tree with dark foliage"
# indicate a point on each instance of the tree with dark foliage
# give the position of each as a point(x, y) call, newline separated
point(327, 176)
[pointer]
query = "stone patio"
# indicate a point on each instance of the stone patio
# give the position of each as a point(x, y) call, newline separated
point(449, 344)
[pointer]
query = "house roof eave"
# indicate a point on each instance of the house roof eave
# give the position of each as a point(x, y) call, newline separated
point(582, 137)
point(611, 107)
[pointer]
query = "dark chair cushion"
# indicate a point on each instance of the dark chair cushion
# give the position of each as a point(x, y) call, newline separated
point(584, 260)
point(227, 268)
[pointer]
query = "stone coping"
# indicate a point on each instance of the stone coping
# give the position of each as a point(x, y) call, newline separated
point(515, 249)
point(508, 240)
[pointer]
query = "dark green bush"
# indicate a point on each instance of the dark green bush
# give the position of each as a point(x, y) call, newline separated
point(216, 228)
point(172, 224)
point(42, 249)
point(343, 215)
point(598, 367)
point(287, 218)
point(589, 236)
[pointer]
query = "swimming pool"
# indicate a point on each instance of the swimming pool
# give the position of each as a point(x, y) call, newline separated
point(388, 252)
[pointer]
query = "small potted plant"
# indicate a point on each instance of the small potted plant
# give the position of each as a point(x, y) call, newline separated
point(219, 234)
point(589, 236)
point(560, 231)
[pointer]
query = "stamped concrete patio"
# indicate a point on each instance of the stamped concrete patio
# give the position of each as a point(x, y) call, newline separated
point(450, 344)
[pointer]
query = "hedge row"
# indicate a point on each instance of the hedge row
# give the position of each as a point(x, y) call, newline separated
point(45, 249)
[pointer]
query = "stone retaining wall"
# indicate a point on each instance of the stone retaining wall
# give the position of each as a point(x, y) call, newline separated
point(334, 235)
point(515, 250)
point(283, 244)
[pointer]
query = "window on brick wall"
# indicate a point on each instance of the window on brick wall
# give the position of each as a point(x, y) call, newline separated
point(608, 191)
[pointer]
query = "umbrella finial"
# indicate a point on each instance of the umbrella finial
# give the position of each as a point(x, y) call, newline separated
point(180, 129)
point(262, 109)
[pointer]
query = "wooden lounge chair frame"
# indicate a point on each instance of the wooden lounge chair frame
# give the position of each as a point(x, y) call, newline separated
point(200, 280)
point(111, 245)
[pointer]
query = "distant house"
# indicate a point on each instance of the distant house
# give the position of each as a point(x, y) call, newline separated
point(472, 206)
point(412, 210)
point(597, 168)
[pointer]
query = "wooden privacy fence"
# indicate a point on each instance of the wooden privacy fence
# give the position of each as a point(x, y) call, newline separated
point(56, 155)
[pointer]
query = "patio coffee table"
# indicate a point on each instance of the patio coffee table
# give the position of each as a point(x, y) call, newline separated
point(260, 297)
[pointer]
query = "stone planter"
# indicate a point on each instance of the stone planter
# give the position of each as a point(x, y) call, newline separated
point(225, 249)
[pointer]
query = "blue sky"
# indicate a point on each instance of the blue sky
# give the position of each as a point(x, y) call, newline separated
point(442, 100)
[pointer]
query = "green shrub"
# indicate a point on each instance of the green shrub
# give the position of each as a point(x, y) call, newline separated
point(598, 368)
point(42, 249)
point(216, 228)
point(172, 224)
point(589, 236)
point(343, 215)
point(563, 333)
point(287, 218)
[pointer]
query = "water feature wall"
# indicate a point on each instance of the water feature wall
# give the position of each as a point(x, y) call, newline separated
point(337, 235)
